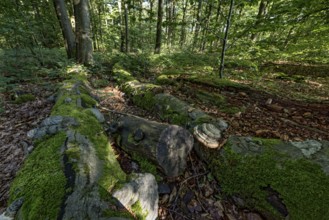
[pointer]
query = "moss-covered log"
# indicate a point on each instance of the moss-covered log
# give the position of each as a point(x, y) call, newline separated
point(142, 94)
point(165, 145)
point(169, 108)
point(73, 172)
point(279, 179)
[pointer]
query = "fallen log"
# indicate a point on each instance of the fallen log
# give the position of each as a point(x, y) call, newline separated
point(165, 145)
point(72, 173)
point(209, 131)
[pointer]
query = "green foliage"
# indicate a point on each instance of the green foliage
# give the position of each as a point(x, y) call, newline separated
point(302, 185)
point(24, 98)
point(41, 175)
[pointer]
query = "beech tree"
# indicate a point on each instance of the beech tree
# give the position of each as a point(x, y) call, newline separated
point(83, 32)
point(159, 28)
point(66, 27)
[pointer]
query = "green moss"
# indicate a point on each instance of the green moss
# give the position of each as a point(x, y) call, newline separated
point(213, 98)
point(118, 213)
point(138, 211)
point(203, 119)
point(121, 75)
point(90, 127)
point(145, 100)
point(146, 165)
point(302, 185)
point(88, 101)
point(214, 81)
point(24, 98)
point(100, 83)
point(40, 179)
point(167, 79)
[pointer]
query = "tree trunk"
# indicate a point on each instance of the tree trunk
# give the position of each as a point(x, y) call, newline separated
point(183, 31)
point(206, 26)
point(157, 48)
point(260, 15)
point(221, 67)
point(169, 21)
point(122, 34)
point(165, 145)
point(127, 49)
point(83, 32)
point(197, 25)
point(66, 27)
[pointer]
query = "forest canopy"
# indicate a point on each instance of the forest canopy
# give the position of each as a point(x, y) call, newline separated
point(266, 30)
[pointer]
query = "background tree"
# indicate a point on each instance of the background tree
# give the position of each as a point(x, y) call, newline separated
point(66, 27)
point(221, 67)
point(159, 28)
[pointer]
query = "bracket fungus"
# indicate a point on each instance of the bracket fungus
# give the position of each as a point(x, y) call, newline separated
point(208, 135)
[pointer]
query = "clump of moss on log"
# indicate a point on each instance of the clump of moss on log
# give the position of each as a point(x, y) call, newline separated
point(301, 184)
point(42, 172)
point(42, 182)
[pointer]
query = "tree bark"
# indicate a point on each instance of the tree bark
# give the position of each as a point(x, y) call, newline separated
point(83, 32)
point(260, 15)
point(183, 31)
point(157, 48)
point(221, 67)
point(198, 24)
point(165, 145)
point(122, 34)
point(206, 26)
point(127, 49)
point(66, 27)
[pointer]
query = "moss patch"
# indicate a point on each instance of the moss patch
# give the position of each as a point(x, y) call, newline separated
point(167, 79)
point(136, 208)
point(146, 166)
point(302, 185)
point(88, 101)
point(24, 98)
point(91, 128)
point(121, 75)
point(214, 81)
point(41, 181)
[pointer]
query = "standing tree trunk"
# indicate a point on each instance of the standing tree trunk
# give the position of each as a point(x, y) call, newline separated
point(122, 34)
point(83, 32)
point(198, 24)
point(228, 21)
point(66, 27)
point(126, 29)
point(157, 48)
point(183, 32)
point(260, 15)
point(206, 26)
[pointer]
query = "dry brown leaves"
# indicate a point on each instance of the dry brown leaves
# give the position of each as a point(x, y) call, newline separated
point(14, 125)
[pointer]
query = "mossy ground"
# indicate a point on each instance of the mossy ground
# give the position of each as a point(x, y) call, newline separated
point(24, 98)
point(219, 101)
point(302, 185)
point(41, 181)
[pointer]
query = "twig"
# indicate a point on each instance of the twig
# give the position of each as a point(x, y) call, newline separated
point(177, 213)
point(195, 176)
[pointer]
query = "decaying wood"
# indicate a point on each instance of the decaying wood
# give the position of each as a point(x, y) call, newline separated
point(166, 145)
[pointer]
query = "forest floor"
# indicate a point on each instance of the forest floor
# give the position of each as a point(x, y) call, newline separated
point(195, 194)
